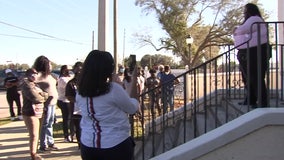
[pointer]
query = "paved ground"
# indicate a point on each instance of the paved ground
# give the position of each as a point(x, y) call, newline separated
point(4, 109)
point(14, 140)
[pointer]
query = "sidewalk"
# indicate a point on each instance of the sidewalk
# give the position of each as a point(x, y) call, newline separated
point(14, 142)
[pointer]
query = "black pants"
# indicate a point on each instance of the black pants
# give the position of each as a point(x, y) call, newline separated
point(10, 99)
point(64, 107)
point(76, 122)
point(122, 151)
point(249, 68)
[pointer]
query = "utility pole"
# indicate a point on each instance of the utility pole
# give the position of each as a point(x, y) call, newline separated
point(123, 48)
point(93, 39)
point(103, 24)
point(115, 36)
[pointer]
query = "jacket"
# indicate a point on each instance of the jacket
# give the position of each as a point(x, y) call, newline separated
point(32, 94)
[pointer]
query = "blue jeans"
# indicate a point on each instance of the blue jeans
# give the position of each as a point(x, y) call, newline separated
point(46, 133)
point(168, 100)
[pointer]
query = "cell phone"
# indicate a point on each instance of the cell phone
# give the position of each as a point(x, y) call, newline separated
point(132, 63)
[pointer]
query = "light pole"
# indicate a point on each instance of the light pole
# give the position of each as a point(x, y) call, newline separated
point(189, 41)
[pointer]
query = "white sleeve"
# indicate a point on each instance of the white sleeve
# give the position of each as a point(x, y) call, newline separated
point(123, 100)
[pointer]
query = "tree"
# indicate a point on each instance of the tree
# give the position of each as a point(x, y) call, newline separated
point(55, 66)
point(155, 60)
point(127, 62)
point(180, 18)
point(23, 66)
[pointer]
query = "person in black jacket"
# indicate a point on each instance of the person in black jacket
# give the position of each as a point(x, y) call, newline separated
point(11, 84)
point(75, 111)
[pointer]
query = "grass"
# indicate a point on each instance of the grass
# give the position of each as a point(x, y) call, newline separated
point(57, 130)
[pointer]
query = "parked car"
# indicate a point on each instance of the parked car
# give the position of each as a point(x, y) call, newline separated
point(2, 77)
point(19, 73)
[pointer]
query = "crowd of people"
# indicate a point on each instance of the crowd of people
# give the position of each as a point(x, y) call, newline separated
point(42, 92)
point(94, 101)
point(159, 86)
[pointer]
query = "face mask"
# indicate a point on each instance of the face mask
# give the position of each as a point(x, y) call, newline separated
point(32, 77)
point(121, 70)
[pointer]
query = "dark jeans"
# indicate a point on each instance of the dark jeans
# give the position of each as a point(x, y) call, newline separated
point(249, 68)
point(76, 121)
point(168, 100)
point(122, 151)
point(66, 117)
point(10, 100)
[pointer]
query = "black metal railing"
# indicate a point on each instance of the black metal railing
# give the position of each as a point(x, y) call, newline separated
point(206, 98)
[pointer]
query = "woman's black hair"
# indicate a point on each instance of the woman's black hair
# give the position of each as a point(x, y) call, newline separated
point(127, 77)
point(30, 71)
point(251, 10)
point(64, 71)
point(96, 74)
point(77, 67)
point(41, 64)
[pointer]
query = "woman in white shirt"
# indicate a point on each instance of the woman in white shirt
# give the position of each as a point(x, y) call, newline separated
point(105, 106)
point(248, 36)
point(63, 102)
point(127, 81)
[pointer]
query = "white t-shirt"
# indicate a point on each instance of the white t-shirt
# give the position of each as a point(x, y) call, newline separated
point(105, 121)
point(48, 84)
point(61, 85)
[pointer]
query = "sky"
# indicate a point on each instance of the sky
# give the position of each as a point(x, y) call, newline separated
point(62, 29)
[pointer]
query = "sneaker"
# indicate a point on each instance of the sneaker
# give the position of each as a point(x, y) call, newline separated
point(53, 147)
point(20, 117)
point(42, 150)
point(66, 140)
point(70, 138)
point(13, 119)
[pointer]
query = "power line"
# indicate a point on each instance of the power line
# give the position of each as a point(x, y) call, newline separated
point(19, 36)
point(42, 34)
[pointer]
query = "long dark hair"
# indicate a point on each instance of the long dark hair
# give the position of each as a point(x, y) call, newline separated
point(127, 77)
point(96, 74)
point(251, 10)
point(64, 72)
point(41, 64)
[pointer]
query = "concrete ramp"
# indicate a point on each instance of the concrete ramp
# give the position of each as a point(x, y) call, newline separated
point(258, 134)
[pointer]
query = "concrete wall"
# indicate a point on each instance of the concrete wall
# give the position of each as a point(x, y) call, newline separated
point(258, 134)
point(262, 144)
